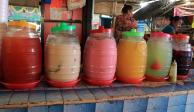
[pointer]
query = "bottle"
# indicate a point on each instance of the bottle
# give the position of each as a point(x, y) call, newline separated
point(173, 72)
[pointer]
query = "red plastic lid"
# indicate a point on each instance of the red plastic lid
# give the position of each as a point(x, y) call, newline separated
point(160, 35)
point(58, 84)
point(156, 79)
point(181, 36)
point(182, 77)
point(21, 86)
point(99, 82)
point(101, 29)
point(131, 80)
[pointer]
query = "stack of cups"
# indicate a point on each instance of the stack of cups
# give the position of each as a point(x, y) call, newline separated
point(3, 26)
point(4, 11)
point(140, 26)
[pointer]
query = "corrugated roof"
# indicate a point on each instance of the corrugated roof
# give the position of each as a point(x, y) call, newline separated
point(158, 8)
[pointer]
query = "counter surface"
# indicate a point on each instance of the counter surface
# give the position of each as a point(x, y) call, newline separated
point(44, 95)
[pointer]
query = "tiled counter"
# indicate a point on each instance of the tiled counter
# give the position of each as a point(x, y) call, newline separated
point(147, 97)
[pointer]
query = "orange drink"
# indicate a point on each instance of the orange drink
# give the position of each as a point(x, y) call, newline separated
point(132, 54)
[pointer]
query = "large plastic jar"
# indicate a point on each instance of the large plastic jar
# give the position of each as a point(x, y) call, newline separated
point(132, 56)
point(182, 53)
point(159, 56)
point(100, 57)
point(21, 56)
point(62, 56)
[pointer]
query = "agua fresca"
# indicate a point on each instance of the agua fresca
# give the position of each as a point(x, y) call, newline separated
point(182, 53)
point(21, 59)
point(184, 61)
point(159, 56)
point(62, 61)
point(21, 56)
point(62, 56)
point(100, 57)
point(132, 56)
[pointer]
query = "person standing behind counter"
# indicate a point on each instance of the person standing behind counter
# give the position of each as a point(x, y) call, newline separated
point(175, 23)
point(124, 22)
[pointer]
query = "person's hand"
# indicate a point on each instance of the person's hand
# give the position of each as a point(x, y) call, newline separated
point(134, 24)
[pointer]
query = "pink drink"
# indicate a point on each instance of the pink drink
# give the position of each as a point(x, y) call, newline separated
point(100, 59)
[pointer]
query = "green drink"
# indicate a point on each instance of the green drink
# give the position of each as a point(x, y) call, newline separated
point(159, 56)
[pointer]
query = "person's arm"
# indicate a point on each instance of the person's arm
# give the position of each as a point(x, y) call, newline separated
point(117, 29)
point(117, 23)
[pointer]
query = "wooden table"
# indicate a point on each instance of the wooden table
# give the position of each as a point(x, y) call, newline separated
point(146, 97)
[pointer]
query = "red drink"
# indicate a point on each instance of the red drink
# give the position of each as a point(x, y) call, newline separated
point(182, 53)
point(21, 59)
point(184, 61)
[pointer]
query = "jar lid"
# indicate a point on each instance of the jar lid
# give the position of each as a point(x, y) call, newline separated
point(22, 24)
point(160, 35)
point(101, 29)
point(133, 33)
point(63, 27)
point(181, 36)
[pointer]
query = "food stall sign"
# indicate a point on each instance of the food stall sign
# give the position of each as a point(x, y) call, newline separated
point(32, 14)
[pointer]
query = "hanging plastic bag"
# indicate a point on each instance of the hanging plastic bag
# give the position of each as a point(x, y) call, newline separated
point(75, 4)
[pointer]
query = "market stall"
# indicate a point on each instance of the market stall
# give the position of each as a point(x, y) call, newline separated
point(54, 60)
